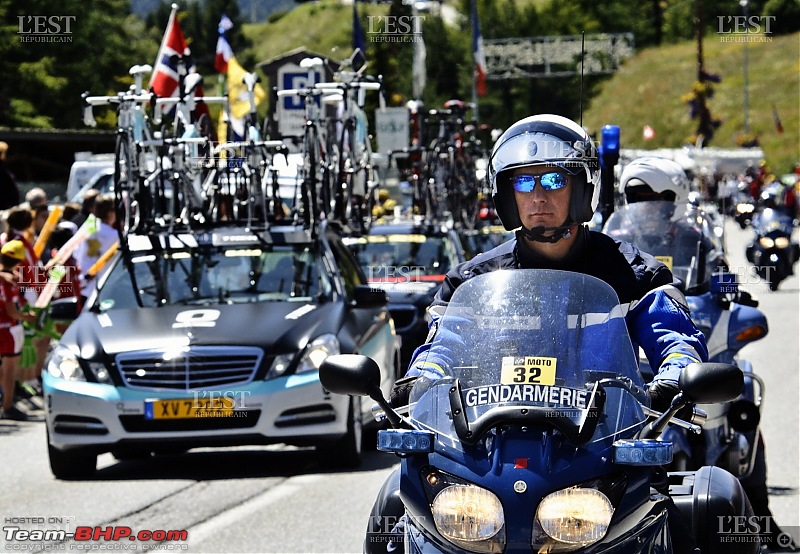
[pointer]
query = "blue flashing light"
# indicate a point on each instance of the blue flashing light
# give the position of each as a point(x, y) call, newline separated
point(646, 452)
point(609, 139)
point(405, 441)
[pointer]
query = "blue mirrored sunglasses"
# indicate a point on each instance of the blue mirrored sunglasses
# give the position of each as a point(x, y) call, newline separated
point(549, 181)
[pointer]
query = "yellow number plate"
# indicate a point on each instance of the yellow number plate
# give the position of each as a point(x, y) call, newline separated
point(528, 369)
point(666, 260)
point(188, 408)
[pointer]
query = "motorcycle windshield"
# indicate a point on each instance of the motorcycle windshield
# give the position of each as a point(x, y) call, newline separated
point(678, 235)
point(538, 339)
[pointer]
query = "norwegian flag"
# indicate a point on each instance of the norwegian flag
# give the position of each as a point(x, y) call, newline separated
point(477, 52)
point(164, 80)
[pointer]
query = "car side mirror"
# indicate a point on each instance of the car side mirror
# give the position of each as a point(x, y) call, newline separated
point(366, 296)
point(64, 309)
point(711, 383)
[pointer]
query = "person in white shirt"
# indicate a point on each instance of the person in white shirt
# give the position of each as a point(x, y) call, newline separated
point(98, 243)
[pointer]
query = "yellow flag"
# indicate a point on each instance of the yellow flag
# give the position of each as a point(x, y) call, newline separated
point(237, 91)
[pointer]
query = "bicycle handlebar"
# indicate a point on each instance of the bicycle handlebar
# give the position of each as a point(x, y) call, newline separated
point(365, 85)
point(277, 144)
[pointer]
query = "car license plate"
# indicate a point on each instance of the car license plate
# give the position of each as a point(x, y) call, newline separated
point(188, 408)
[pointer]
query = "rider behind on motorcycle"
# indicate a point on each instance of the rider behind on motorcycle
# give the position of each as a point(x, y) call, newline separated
point(545, 180)
point(654, 179)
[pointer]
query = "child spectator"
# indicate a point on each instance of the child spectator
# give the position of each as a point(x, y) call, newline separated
point(12, 335)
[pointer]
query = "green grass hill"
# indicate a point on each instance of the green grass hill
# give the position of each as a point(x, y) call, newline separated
point(647, 90)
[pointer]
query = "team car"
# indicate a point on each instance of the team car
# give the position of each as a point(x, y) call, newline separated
point(214, 339)
point(408, 259)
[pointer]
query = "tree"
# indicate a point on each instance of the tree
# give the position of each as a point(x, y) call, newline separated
point(49, 77)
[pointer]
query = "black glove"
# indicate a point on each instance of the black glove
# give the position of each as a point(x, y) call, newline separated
point(661, 395)
point(401, 391)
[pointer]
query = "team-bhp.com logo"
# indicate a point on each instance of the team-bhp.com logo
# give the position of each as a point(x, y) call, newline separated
point(49, 539)
point(740, 28)
point(395, 28)
point(45, 28)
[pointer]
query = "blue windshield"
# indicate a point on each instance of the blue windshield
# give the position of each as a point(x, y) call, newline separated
point(537, 338)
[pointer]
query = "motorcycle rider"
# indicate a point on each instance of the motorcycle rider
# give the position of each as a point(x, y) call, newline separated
point(651, 179)
point(545, 180)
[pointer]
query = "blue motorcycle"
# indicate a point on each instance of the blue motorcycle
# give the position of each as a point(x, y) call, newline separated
point(537, 437)
point(679, 236)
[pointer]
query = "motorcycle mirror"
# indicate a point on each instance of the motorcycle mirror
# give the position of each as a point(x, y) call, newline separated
point(710, 383)
point(350, 374)
point(357, 375)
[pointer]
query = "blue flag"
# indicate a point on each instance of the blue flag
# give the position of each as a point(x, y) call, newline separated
point(358, 33)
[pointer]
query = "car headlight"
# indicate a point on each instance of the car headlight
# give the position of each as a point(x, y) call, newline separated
point(575, 517)
point(782, 242)
point(469, 516)
point(316, 352)
point(63, 364)
point(766, 242)
point(100, 372)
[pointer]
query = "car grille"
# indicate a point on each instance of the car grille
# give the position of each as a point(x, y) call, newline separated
point(197, 367)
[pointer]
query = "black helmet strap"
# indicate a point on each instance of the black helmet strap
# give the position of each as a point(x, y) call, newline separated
point(561, 232)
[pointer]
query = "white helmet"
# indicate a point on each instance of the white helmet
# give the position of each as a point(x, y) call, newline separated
point(545, 140)
point(645, 176)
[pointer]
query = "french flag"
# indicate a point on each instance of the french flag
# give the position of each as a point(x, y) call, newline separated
point(477, 52)
point(224, 50)
point(164, 80)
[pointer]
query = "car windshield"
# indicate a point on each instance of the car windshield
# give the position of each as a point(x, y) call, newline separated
point(208, 274)
point(402, 257)
point(676, 234)
point(534, 338)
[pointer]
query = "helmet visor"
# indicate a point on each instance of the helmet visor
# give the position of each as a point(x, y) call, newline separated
point(540, 148)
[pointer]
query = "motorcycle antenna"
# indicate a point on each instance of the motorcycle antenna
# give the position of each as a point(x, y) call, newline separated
point(583, 53)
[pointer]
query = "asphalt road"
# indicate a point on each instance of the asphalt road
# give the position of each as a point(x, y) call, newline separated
point(278, 500)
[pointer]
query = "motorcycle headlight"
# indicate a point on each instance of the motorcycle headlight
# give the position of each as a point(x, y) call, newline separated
point(575, 517)
point(469, 516)
point(781, 242)
point(63, 364)
point(766, 242)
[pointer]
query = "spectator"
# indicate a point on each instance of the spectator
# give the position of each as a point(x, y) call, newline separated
point(98, 243)
point(9, 190)
point(70, 286)
point(87, 207)
point(71, 210)
point(36, 197)
point(12, 335)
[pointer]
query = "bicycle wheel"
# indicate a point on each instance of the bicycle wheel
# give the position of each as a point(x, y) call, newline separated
point(309, 209)
point(124, 186)
point(347, 167)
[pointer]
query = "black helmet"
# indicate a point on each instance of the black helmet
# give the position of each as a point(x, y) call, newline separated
point(545, 140)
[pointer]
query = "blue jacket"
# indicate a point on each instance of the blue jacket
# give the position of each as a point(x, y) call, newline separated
point(656, 313)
